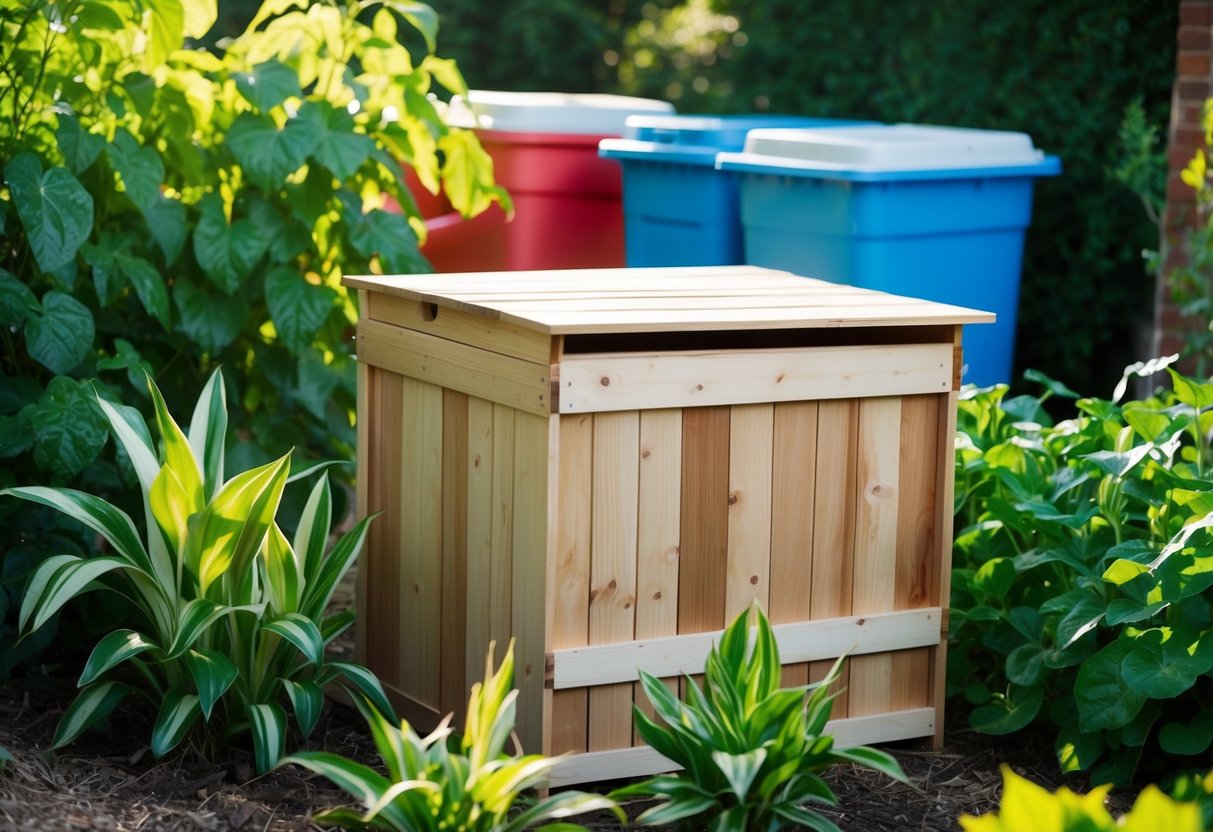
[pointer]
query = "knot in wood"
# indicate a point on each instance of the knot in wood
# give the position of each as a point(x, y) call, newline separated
point(733, 498)
point(753, 580)
point(646, 453)
point(612, 585)
point(605, 381)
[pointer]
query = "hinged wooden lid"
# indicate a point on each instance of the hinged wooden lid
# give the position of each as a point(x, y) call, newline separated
point(686, 299)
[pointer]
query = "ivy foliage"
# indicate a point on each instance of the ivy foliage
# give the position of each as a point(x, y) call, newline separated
point(167, 209)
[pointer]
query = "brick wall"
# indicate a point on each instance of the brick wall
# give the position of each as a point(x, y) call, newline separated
point(1193, 66)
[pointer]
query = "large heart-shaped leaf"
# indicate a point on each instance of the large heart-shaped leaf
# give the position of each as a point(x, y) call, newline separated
point(1105, 698)
point(339, 147)
point(55, 209)
point(69, 430)
point(1009, 713)
point(139, 166)
point(269, 84)
point(166, 220)
point(268, 153)
point(212, 320)
point(62, 335)
point(389, 237)
point(1165, 663)
point(17, 302)
point(79, 147)
point(167, 32)
point(423, 18)
point(297, 307)
point(227, 253)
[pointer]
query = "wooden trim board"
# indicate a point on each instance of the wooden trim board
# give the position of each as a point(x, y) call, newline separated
point(643, 760)
point(457, 325)
point(803, 641)
point(630, 381)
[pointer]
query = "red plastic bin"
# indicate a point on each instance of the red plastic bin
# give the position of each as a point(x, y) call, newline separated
point(568, 211)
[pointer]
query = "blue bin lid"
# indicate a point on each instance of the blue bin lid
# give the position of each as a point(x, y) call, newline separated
point(695, 140)
point(880, 153)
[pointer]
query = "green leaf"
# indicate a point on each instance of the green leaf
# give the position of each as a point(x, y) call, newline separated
point(316, 383)
point(269, 154)
point(1165, 664)
point(1077, 751)
point(111, 523)
point(311, 535)
point(339, 147)
point(166, 220)
point(61, 337)
point(740, 769)
point(318, 592)
point(211, 320)
point(1191, 739)
point(1053, 386)
point(268, 723)
point(1025, 664)
point(70, 578)
point(297, 307)
point(79, 147)
point(213, 674)
point(200, 16)
point(149, 285)
point(16, 435)
point(307, 699)
point(388, 237)
point(17, 302)
point(178, 712)
point(1009, 713)
point(269, 84)
point(1105, 699)
point(92, 705)
point(227, 253)
point(445, 72)
point(139, 166)
point(196, 617)
point(874, 759)
point(111, 651)
point(1085, 613)
point(1191, 392)
point(466, 171)
point(208, 431)
point(69, 431)
point(420, 16)
point(167, 32)
point(995, 577)
point(300, 631)
point(365, 683)
point(363, 783)
point(55, 209)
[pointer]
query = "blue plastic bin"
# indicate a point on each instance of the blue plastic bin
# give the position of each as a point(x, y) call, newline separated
point(678, 209)
point(931, 212)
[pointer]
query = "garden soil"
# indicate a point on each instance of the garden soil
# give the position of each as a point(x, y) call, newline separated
point(111, 782)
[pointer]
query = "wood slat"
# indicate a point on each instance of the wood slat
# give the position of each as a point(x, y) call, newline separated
point(457, 325)
point(380, 567)
point(877, 497)
point(421, 540)
point(834, 523)
point(480, 523)
point(794, 457)
point(658, 536)
point(571, 608)
point(748, 560)
point(613, 535)
point(528, 579)
point(803, 641)
point(523, 385)
point(624, 381)
point(704, 519)
point(941, 582)
point(453, 683)
point(501, 567)
point(364, 472)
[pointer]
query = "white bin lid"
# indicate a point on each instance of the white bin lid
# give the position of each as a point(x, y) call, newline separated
point(891, 147)
point(550, 112)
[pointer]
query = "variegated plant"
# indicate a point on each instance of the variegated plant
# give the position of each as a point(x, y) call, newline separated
point(231, 615)
point(440, 782)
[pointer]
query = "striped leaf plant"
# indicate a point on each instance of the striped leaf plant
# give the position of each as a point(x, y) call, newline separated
point(447, 782)
point(230, 627)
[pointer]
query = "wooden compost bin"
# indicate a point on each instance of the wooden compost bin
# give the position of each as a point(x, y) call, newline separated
point(609, 465)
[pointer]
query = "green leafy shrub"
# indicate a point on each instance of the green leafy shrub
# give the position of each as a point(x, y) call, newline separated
point(166, 209)
point(1083, 575)
point(442, 781)
point(750, 751)
point(230, 615)
point(1026, 806)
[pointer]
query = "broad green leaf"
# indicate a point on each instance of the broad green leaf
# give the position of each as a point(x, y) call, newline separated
point(1154, 811)
point(167, 32)
point(61, 337)
point(269, 154)
point(388, 237)
point(1008, 713)
point(92, 705)
point(1165, 663)
point(196, 617)
point(1119, 464)
point(1105, 698)
point(55, 209)
point(178, 712)
point(307, 700)
point(1077, 751)
point(126, 357)
point(139, 166)
point(69, 580)
point(995, 577)
point(316, 382)
point(339, 147)
point(150, 285)
point(79, 147)
point(466, 168)
point(166, 220)
point(208, 431)
point(445, 72)
point(1191, 392)
point(17, 302)
point(1025, 664)
point(1084, 615)
point(111, 651)
point(227, 253)
point(364, 683)
point(210, 319)
point(172, 507)
point(176, 453)
point(111, 523)
point(16, 435)
point(1191, 739)
point(675, 810)
point(269, 84)
point(1053, 386)
point(213, 674)
point(268, 724)
point(297, 307)
point(740, 769)
point(280, 573)
point(199, 17)
point(301, 632)
point(420, 16)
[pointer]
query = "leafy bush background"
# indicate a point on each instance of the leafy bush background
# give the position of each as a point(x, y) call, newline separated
point(1061, 70)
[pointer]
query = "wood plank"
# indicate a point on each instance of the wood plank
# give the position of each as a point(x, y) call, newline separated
point(613, 535)
point(421, 550)
point(600, 303)
point(748, 559)
point(529, 570)
point(456, 325)
point(379, 604)
point(423, 286)
point(794, 457)
point(624, 381)
point(803, 641)
point(453, 684)
point(704, 517)
point(941, 583)
point(643, 761)
point(523, 385)
point(571, 610)
point(364, 471)
point(501, 567)
point(834, 523)
point(480, 516)
point(551, 549)
point(658, 535)
point(877, 498)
